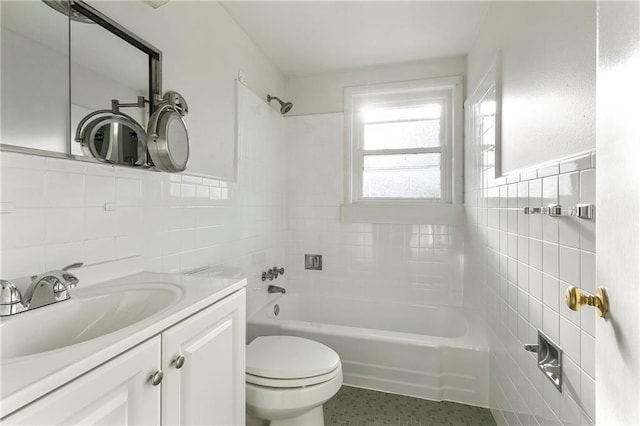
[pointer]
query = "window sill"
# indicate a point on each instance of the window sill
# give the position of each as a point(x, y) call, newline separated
point(438, 214)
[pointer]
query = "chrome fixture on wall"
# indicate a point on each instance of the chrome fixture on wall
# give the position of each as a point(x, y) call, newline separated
point(277, 271)
point(583, 211)
point(272, 273)
point(168, 143)
point(115, 137)
point(276, 289)
point(313, 262)
point(549, 358)
point(285, 107)
point(111, 136)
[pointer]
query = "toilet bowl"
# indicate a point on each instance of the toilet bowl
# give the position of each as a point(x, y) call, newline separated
point(289, 378)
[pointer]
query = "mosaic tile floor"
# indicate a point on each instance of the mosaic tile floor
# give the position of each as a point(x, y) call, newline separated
point(363, 407)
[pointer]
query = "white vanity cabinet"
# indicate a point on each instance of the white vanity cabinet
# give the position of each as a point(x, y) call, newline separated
point(203, 359)
point(207, 388)
point(116, 393)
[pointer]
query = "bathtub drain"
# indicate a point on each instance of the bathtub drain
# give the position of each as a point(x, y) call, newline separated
point(276, 310)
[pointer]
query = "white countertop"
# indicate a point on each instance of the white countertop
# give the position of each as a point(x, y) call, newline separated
point(26, 378)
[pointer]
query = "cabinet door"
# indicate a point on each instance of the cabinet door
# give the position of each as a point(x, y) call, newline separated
point(209, 386)
point(116, 393)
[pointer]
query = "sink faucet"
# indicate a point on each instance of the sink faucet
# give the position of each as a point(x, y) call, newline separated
point(276, 289)
point(45, 289)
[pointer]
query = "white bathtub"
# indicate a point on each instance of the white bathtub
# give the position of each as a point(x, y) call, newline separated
point(438, 353)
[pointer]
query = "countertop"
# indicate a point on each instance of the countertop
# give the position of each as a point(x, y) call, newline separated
point(23, 379)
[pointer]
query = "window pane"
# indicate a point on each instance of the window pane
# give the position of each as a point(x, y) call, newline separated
point(421, 112)
point(399, 135)
point(402, 176)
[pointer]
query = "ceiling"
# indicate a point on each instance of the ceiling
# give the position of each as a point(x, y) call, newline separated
point(311, 37)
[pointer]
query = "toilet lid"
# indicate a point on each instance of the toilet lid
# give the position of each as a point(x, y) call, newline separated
point(293, 383)
point(289, 357)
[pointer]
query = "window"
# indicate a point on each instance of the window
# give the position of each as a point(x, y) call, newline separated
point(403, 142)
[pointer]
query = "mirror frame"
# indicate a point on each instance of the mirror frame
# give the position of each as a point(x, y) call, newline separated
point(154, 76)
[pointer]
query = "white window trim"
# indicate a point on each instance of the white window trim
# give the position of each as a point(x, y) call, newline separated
point(452, 171)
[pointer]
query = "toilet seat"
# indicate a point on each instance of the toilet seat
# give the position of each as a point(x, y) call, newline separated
point(291, 383)
point(288, 361)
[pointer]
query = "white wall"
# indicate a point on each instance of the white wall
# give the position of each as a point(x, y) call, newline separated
point(521, 265)
point(323, 93)
point(618, 188)
point(412, 263)
point(549, 57)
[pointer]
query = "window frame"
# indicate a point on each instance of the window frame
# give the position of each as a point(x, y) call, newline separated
point(445, 90)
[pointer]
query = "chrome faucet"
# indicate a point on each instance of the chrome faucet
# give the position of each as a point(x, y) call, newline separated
point(272, 273)
point(276, 289)
point(45, 289)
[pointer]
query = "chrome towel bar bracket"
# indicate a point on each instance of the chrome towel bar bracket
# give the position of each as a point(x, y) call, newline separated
point(582, 211)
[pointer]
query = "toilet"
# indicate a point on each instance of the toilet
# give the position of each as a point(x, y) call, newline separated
point(288, 379)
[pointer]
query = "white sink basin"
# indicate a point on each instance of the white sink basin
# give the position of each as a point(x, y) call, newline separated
point(91, 312)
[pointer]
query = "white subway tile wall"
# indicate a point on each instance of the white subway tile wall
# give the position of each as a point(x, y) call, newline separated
point(413, 263)
point(68, 211)
point(520, 266)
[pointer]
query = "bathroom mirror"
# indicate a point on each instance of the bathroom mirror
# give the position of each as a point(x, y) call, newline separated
point(35, 77)
point(108, 68)
point(111, 70)
point(113, 139)
point(43, 50)
point(168, 144)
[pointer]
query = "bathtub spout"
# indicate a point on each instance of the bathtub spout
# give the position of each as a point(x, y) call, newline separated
point(276, 289)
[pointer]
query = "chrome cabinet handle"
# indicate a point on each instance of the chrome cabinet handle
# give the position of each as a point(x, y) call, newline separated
point(179, 361)
point(157, 377)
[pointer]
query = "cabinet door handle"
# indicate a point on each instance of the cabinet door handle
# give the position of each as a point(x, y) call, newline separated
point(179, 361)
point(156, 378)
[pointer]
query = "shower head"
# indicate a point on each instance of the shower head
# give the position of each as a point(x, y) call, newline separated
point(285, 107)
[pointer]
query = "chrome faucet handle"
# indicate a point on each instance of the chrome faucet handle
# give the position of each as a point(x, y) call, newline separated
point(50, 287)
point(10, 299)
point(72, 266)
point(71, 280)
point(268, 275)
point(277, 271)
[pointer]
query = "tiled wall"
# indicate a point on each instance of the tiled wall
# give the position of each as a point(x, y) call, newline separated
point(409, 262)
point(522, 265)
point(57, 212)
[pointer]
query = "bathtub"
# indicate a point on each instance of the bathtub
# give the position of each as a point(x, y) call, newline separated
point(437, 353)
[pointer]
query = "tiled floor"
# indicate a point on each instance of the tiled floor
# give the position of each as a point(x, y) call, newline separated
point(354, 406)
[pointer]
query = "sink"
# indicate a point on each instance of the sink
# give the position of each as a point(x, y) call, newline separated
point(92, 312)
